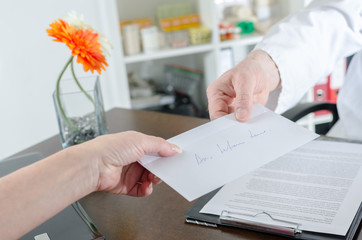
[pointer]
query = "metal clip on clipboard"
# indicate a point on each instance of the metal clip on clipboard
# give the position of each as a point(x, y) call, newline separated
point(244, 220)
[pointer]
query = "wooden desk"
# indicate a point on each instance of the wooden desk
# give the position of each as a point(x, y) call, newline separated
point(159, 216)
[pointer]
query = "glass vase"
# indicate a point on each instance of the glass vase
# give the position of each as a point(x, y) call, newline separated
point(80, 111)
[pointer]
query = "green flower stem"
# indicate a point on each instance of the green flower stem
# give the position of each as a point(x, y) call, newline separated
point(58, 95)
point(80, 86)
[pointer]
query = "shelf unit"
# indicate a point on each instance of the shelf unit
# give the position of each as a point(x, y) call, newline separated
point(168, 53)
point(208, 56)
point(246, 40)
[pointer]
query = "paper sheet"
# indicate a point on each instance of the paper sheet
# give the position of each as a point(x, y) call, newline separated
point(224, 149)
point(318, 186)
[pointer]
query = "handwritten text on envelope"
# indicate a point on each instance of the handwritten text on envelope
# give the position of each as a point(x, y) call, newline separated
point(224, 149)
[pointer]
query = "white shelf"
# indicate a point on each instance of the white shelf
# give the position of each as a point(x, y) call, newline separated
point(250, 39)
point(167, 53)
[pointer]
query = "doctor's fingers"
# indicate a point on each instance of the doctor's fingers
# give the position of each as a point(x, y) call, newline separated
point(220, 95)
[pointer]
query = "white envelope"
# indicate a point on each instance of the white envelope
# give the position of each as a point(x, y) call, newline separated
point(223, 150)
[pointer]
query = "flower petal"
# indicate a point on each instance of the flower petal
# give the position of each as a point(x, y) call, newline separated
point(83, 43)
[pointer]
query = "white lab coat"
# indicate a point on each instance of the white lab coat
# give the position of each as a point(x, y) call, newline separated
point(307, 45)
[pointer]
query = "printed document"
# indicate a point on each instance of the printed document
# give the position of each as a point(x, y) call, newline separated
point(317, 186)
point(224, 149)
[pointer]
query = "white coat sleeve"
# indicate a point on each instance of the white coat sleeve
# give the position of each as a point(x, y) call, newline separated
point(307, 45)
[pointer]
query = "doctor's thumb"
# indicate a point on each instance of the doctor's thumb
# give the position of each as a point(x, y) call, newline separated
point(243, 108)
point(242, 114)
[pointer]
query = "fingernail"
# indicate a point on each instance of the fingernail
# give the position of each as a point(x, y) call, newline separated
point(150, 186)
point(176, 148)
point(241, 114)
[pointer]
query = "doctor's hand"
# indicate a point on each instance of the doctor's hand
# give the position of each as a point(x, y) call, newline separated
point(248, 83)
point(117, 169)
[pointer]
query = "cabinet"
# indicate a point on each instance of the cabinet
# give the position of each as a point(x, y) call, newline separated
point(212, 58)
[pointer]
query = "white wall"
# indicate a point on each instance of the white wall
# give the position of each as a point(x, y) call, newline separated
point(30, 63)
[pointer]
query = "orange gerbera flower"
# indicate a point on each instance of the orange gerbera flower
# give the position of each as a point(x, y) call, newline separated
point(83, 43)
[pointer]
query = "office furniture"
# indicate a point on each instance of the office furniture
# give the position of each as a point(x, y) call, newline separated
point(303, 109)
point(209, 57)
point(161, 215)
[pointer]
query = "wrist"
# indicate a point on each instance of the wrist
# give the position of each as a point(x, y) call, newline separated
point(86, 164)
point(271, 71)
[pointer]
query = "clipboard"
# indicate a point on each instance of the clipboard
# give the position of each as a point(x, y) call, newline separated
point(71, 223)
point(239, 220)
point(194, 216)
